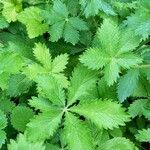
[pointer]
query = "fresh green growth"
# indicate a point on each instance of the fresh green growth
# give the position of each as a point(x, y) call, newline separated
point(74, 74)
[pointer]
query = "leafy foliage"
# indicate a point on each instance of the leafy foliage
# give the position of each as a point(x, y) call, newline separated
point(112, 50)
point(143, 135)
point(74, 74)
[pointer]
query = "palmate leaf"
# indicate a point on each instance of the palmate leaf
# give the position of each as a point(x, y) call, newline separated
point(11, 9)
point(118, 143)
point(83, 80)
point(49, 88)
point(46, 65)
point(34, 22)
point(140, 107)
point(44, 125)
point(143, 135)
point(62, 25)
point(76, 133)
point(127, 84)
point(20, 116)
point(104, 114)
point(24, 144)
point(112, 50)
point(92, 7)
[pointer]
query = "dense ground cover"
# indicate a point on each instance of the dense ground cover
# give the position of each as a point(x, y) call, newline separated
point(74, 74)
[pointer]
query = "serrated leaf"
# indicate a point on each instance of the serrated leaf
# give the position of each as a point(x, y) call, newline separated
point(59, 63)
point(18, 84)
point(11, 9)
point(2, 138)
point(127, 84)
point(20, 116)
point(47, 66)
point(109, 52)
point(82, 81)
point(23, 143)
point(35, 26)
point(139, 22)
point(104, 114)
point(45, 123)
point(3, 123)
point(91, 8)
point(143, 135)
point(51, 89)
point(140, 107)
point(41, 53)
point(118, 143)
point(39, 103)
point(62, 25)
point(77, 135)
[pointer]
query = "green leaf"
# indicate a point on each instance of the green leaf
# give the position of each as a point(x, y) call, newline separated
point(3, 22)
point(24, 144)
point(7, 58)
point(92, 8)
point(20, 116)
point(140, 107)
point(44, 125)
point(11, 9)
point(41, 53)
point(59, 63)
point(143, 135)
point(18, 84)
point(82, 81)
point(31, 17)
point(104, 114)
point(47, 66)
point(76, 133)
point(51, 89)
point(108, 51)
point(62, 25)
point(3, 123)
point(39, 103)
point(118, 143)
point(6, 105)
point(2, 138)
point(139, 21)
point(127, 84)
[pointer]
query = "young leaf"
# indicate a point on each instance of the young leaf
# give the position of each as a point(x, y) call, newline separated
point(31, 17)
point(47, 66)
point(45, 123)
point(76, 133)
point(82, 81)
point(105, 114)
point(143, 135)
point(140, 107)
point(49, 88)
point(11, 9)
point(23, 143)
